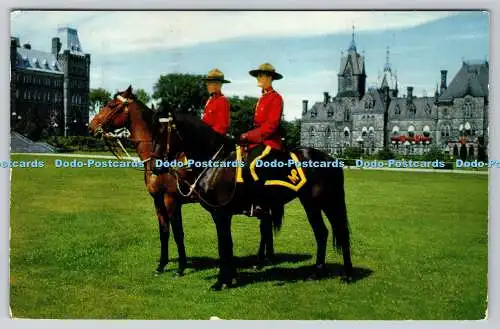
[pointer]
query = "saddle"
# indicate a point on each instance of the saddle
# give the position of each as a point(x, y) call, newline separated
point(285, 170)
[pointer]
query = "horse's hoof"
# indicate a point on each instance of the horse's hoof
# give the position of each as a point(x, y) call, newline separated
point(178, 274)
point(312, 277)
point(346, 279)
point(258, 267)
point(158, 272)
point(220, 286)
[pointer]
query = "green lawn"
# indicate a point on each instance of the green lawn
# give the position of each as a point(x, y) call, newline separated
point(84, 244)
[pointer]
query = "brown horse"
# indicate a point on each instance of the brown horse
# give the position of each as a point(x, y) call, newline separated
point(126, 111)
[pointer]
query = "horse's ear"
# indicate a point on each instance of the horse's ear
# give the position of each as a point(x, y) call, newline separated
point(129, 90)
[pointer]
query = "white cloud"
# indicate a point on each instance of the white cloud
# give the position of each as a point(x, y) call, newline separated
point(122, 32)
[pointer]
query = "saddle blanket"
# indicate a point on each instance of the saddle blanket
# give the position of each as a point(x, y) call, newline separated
point(293, 175)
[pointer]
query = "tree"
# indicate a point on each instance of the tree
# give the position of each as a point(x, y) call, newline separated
point(98, 97)
point(184, 92)
point(142, 96)
point(242, 112)
point(290, 130)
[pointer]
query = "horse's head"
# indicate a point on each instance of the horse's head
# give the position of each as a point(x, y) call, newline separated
point(182, 132)
point(167, 139)
point(114, 115)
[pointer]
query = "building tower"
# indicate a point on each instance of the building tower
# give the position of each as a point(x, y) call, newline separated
point(76, 67)
point(352, 75)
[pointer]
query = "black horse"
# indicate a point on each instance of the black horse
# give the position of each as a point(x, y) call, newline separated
point(223, 197)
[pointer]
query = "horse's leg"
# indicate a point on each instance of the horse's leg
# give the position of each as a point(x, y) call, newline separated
point(163, 223)
point(225, 245)
point(320, 233)
point(336, 212)
point(178, 232)
point(266, 248)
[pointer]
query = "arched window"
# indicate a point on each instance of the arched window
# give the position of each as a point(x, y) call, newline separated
point(346, 132)
point(328, 132)
point(411, 130)
point(395, 130)
point(364, 131)
point(312, 132)
point(371, 132)
point(427, 131)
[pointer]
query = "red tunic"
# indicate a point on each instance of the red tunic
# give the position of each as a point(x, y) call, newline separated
point(216, 113)
point(267, 120)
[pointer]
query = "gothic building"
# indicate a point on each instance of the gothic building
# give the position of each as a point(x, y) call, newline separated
point(455, 117)
point(49, 90)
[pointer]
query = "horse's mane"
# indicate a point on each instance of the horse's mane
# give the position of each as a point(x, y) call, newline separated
point(147, 112)
point(201, 136)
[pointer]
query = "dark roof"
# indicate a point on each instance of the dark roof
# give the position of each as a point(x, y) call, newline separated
point(358, 63)
point(421, 103)
point(37, 61)
point(472, 79)
point(379, 105)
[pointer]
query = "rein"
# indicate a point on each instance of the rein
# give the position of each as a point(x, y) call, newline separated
point(111, 136)
point(175, 172)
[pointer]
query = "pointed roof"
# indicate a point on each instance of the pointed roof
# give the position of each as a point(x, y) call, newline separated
point(352, 47)
point(472, 79)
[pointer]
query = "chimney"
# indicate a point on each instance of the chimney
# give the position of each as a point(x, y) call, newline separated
point(56, 46)
point(326, 97)
point(14, 42)
point(410, 93)
point(27, 46)
point(304, 106)
point(443, 81)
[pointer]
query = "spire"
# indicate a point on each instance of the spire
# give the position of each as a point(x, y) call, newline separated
point(353, 44)
point(387, 66)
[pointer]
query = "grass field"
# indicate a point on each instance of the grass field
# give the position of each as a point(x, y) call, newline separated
point(84, 244)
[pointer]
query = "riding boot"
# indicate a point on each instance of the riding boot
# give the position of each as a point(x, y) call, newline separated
point(261, 200)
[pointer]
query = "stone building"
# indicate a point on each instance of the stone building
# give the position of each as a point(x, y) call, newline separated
point(382, 117)
point(49, 90)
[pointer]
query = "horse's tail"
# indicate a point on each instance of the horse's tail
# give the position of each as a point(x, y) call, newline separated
point(333, 198)
point(277, 217)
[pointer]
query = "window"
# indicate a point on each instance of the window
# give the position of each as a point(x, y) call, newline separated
point(445, 131)
point(468, 109)
point(364, 131)
point(328, 132)
point(346, 132)
point(411, 130)
point(312, 132)
point(445, 111)
point(412, 109)
point(428, 109)
point(347, 115)
point(397, 110)
point(329, 112)
point(348, 82)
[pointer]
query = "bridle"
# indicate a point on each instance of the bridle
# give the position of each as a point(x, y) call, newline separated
point(175, 171)
point(107, 136)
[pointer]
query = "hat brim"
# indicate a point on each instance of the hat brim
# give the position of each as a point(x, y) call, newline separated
point(274, 75)
point(216, 80)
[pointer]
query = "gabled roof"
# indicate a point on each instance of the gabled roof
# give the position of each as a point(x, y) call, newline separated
point(38, 61)
point(358, 63)
point(472, 79)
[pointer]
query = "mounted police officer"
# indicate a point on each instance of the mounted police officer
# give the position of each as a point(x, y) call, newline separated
point(216, 113)
point(264, 141)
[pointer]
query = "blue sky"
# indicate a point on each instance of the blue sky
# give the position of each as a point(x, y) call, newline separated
point(137, 47)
